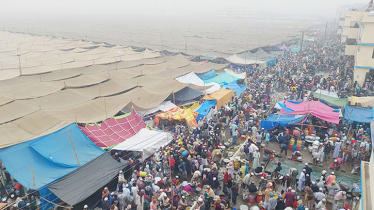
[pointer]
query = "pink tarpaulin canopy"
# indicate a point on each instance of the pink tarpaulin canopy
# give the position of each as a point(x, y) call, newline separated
point(315, 108)
point(114, 130)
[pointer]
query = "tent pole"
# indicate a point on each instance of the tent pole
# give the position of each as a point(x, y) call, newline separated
point(349, 122)
point(72, 144)
point(173, 98)
point(33, 177)
point(106, 113)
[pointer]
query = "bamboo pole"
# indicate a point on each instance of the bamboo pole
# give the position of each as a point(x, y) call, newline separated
point(33, 177)
point(72, 144)
point(349, 122)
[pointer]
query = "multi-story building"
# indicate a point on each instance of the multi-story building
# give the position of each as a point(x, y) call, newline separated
point(364, 59)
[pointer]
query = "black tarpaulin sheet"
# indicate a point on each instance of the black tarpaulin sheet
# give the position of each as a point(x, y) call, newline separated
point(86, 180)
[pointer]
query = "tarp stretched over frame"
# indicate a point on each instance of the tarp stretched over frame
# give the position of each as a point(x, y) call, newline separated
point(282, 120)
point(222, 96)
point(177, 113)
point(364, 101)
point(235, 87)
point(362, 115)
point(146, 141)
point(315, 108)
point(76, 186)
point(114, 130)
point(331, 101)
point(51, 156)
point(204, 109)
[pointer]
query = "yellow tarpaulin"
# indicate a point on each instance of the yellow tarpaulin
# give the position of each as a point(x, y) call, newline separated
point(193, 106)
point(177, 113)
point(222, 96)
point(364, 101)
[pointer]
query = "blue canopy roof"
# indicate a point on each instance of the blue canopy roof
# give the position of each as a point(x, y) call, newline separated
point(235, 87)
point(210, 74)
point(363, 115)
point(51, 156)
point(282, 120)
point(204, 109)
point(222, 78)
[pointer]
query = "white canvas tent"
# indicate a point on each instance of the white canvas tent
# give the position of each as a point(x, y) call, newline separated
point(192, 78)
point(146, 141)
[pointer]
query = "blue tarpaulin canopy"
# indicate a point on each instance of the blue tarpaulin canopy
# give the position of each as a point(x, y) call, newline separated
point(51, 157)
point(235, 87)
point(271, 61)
point(204, 109)
point(282, 120)
point(210, 74)
point(358, 114)
point(222, 78)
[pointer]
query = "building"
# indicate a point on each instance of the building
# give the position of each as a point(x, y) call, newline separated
point(364, 59)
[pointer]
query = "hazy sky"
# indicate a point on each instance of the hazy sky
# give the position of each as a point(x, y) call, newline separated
point(169, 7)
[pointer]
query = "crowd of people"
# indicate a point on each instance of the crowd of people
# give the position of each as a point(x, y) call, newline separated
point(217, 165)
point(223, 162)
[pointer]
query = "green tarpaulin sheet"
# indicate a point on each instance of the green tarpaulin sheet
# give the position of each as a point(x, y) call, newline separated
point(331, 101)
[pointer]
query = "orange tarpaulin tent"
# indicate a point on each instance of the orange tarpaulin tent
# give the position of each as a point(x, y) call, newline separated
point(222, 96)
point(177, 113)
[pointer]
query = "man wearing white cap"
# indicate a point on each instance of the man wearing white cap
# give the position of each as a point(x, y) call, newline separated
point(183, 202)
point(319, 195)
point(85, 207)
point(302, 178)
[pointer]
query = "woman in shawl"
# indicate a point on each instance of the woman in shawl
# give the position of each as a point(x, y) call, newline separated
point(339, 200)
point(332, 188)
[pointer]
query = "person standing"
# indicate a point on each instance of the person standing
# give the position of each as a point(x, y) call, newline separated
point(289, 197)
point(267, 138)
point(337, 149)
point(272, 204)
point(301, 183)
point(258, 140)
point(256, 159)
point(234, 193)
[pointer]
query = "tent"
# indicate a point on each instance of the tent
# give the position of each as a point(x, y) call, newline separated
point(284, 47)
point(192, 78)
point(78, 185)
point(315, 108)
point(114, 130)
point(177, 113)
point(164, 106)
point(187, 94)
point(326, 93)
point(271, 61)
point(222, 96)
point(282, 120)
point(331, 101)
point(146, 141)
point(235, 87)
point(204, 109)
point(222, 78)
point(45, 159)
point(241, 75)
point(210, 74)
point(357, 114)
point(364, 101)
